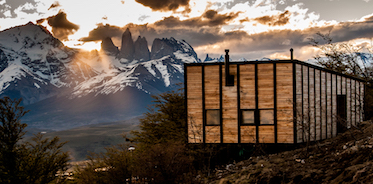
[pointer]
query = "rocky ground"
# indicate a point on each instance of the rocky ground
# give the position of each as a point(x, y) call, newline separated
point(347, 158)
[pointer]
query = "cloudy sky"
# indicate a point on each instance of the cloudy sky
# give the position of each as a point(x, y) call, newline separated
point(249, 28)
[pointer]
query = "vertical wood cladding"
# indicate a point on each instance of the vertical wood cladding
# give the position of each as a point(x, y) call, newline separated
point(328, 105)
point(265, 86)
point(280, 104)
point(323, 105)
point(230, 115)
point(358, 101)
point(284, 93)
point(247, 100)
point(334, 105)
point(348, 89)
point(299, 102)
point(362, 93)
point(318, 104)
point(266, 133)
point(311, 93)
point(194, 104)
point(305, 112)
point(212, 100)
point(247, 86)
point(353, 104)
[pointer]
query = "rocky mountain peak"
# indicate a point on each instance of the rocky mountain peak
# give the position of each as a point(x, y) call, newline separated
point(161, 47)
point(208, 58)
point(108, 46)
point(37, 67)
point(171, 46)
point(128, 48)
point(141, 49)
point(3, 60)
point(28, 36)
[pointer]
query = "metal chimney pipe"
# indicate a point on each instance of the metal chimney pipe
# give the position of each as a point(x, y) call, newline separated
point(226, 67)
point(291, 54)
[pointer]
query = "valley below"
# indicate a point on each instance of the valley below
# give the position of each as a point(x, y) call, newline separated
point(81, 141)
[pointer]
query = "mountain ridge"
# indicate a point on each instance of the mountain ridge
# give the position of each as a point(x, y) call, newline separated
point(37, 67)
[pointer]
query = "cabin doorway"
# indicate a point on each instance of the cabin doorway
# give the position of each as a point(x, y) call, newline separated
point(341, 113)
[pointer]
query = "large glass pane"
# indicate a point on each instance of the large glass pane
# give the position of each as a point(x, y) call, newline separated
point(213, 117)
point(248, 117)
point(266, 117)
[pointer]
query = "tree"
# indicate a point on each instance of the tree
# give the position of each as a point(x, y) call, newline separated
point(11, 131)
point(342, 57)
point(164, 163)
point(161, 154)
point(113, 166)
point(27, 162)
point(347, 59)
point(43, 159)
point(165, 120)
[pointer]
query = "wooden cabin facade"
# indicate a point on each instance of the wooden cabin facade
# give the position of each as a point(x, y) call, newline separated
point(281, 101)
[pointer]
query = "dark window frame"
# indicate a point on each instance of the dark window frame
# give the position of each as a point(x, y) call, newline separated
point(257, 118)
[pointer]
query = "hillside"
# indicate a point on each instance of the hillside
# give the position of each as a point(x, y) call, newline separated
point(347, 158)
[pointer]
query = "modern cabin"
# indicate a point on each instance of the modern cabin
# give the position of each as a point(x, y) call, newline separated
point(279, 101)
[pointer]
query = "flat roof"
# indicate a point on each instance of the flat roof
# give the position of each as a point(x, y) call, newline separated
point(275, 61)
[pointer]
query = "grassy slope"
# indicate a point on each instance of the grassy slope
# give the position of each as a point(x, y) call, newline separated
point(347, 158)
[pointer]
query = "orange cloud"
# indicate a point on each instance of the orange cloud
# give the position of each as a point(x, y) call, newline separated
point(165, 5)
point(275, 20)
point(61, 27)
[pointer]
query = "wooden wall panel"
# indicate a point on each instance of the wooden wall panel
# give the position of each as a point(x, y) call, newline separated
point(247, 86)
point(229, 116)
point(212, 96)
point(348, 98)
point(299, 102)
point(194, 104)
point(284, 89)
point(305, 114)
point(318, 104)
point(358, 102)
point(343, 85)
point(312, 122)
point(212, 134)
point(328, 105)
point(323, 105)
point(334, 105)
point(248, 134)
point(362, 87)
point(265, 86)
point(266, 134)
point(353, 102)
point(339, 85)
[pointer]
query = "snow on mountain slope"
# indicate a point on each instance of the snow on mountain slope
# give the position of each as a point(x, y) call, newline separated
point(36, 51)
point(30, 54)
point(27, 36)
point(138, 75)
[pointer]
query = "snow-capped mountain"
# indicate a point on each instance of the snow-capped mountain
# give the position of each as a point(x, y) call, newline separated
point(209, 59)
point(35, 65)
point(366, 59)
point(52, 78)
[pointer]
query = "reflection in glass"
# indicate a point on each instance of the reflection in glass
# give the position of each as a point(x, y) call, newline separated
point(266, 117)
point(213, 117)
point(248, 117)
